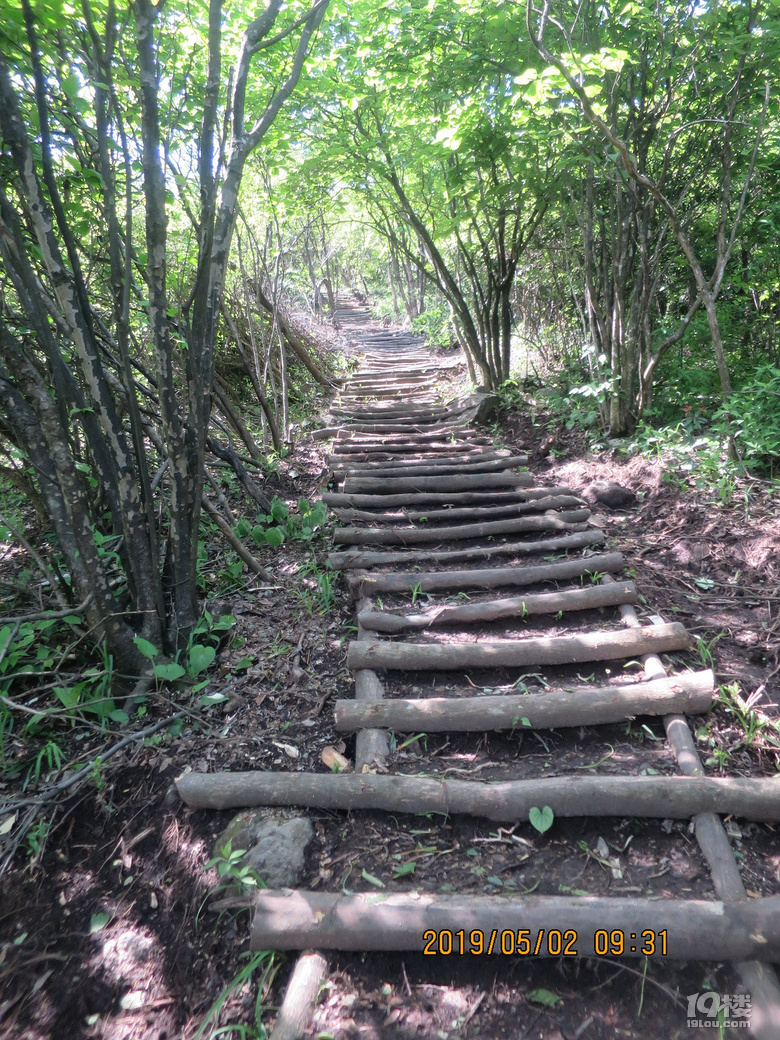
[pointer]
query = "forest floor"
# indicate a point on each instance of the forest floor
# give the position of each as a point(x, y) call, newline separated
point(110, 933)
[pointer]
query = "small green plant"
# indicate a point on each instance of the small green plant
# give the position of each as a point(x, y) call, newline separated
point(317, 591)
point(232, 870)
point(267, 963)
point(36, 838)
point(281, 524)
point(541, 819)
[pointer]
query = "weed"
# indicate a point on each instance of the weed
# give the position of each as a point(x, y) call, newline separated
point(281, 524)
point(267, 964)
point(317, 592)
point(230, 868)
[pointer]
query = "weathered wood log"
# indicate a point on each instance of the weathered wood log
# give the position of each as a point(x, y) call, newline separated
point(331, 498)
point(680, 929)
point(509, 606)
point(561, 543)
point(582, 706)
point(535, 650)
point(664, 797)
point(428, 452)
point(448, 434)
point(236, 544)
point(365, 584)
point(433, 468)
point(377, 427)
point(455, 482)
point(346, 450)
point(455, 461)
point(397, 413)
point(475, 512)
point(372, 748)
point(300, 997)
point(461, 532)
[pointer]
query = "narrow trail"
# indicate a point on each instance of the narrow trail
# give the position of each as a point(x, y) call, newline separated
point(488, 603)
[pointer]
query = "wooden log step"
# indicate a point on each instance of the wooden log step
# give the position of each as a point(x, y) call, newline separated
point(405, 500)
point(344, 450)
point(511, 653)
point(433, 467)
point(455, 458)
point(687, 694)
point(461, 532)
point(398, 413)
point(561, 543)
point(441, 429)
point(475, 512)
point(454, 482)
point(664, 797)
point(677, 929)
point(454, 435)
point(364, 584)
point(592, 598)
point(397, 426)
point(429, 454)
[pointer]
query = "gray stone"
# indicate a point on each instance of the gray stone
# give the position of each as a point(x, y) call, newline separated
point(275, 845)
point(609, 493)
point(482, 404)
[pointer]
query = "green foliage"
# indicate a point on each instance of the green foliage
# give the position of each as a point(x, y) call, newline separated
point(752, 414)
point(197, 657)
point(266, 964)
point(282, 523)
point(317, 586)
point(231, 868)
point(541, 819)
point(436, 324)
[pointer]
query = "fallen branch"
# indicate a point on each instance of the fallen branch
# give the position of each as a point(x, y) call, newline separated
point(253, 564)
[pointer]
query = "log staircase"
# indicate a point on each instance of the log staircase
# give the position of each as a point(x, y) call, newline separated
point(462, 565)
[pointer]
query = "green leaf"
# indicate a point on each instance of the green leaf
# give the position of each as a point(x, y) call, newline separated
point(243, 528)
point(258, 535)
point(372, 880)
point(168, 672)
point(98, 922)
point(201, 657)
point(544, 996)
point(212, 698)
point(279, 511)
point(119, 716)
point(404, 869)
point(146, 648)
point(541, 819)
point(274, 536)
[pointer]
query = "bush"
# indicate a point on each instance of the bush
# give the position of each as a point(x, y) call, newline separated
point(752, 415)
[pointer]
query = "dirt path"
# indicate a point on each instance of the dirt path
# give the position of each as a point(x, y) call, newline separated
point(490, 633)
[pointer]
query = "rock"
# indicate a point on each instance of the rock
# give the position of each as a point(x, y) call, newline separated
point(275, 846)
point(485, 405)
point(609, 493)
